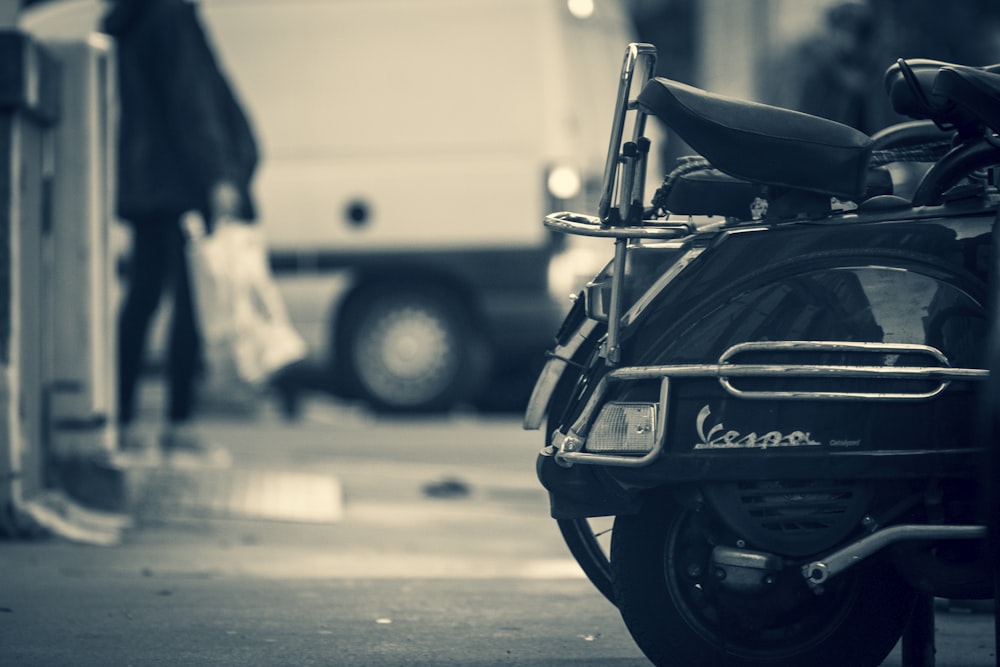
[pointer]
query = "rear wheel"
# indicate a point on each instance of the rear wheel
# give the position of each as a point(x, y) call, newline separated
point(589, 540)
point(680, 613)
point(411, 348)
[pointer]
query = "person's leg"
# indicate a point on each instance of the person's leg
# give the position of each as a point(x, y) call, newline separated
point(146, 272)
point(184, 343)
point(180, 439)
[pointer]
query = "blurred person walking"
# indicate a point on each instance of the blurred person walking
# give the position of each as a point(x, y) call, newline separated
point(184, 144)
point(835, 72)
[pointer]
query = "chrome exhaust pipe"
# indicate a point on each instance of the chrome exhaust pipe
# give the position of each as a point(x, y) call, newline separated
point(819, 571)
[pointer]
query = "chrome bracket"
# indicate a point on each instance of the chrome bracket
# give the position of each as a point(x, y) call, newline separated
point(818, 572)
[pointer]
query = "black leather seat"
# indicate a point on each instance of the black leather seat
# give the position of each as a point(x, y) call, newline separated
point(762, 143)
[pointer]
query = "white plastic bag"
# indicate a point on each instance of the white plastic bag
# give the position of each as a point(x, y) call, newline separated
point(246, 333)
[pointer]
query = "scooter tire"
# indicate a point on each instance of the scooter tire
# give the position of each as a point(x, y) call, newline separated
point(583, 544)
point(577, 533)
point(677, 620)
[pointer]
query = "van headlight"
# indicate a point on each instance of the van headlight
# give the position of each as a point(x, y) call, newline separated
point(581, 9)
point(623, 428)
point(564, 182)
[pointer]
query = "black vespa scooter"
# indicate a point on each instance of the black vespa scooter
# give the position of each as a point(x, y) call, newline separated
point(775, 388)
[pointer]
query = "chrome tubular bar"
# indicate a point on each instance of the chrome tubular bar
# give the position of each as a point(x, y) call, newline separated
point(624, 167)
point(588, 225)
point(571, 448)
point(831, 346)
point(819, 571)
point(725, 369)
point(612, 351)
point(724, 372)
point(636, 56)
point(567, 448)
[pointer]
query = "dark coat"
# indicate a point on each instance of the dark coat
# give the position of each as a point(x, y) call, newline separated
point(181, 128)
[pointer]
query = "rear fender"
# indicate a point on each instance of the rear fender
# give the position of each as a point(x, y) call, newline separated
point(911, 295)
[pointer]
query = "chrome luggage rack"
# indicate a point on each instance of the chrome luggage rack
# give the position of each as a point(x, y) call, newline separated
point(620, 209)
point(570, 448)
point(581, 224)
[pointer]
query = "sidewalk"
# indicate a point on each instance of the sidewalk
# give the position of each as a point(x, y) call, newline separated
point(443, 554)
point(97, 497)
point(338, 494)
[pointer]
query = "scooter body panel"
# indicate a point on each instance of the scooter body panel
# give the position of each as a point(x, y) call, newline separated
point(918, 281)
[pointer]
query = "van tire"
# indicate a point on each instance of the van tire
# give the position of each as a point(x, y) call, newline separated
point(411, 348)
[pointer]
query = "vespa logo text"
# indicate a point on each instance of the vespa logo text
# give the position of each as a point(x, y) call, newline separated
point(719, 438)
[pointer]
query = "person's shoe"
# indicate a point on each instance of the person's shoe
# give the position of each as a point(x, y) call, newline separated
point(182, 446)
point(135, 449)
point(289, 385)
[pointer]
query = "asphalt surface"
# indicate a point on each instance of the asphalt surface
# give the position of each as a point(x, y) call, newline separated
point(340, 539)
point(183, 620)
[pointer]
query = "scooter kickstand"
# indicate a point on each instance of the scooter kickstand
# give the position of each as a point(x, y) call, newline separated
point(918, 637)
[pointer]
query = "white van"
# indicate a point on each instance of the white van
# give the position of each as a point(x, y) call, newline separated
point(410, 149)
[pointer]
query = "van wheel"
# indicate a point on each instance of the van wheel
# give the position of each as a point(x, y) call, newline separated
point(411, 348)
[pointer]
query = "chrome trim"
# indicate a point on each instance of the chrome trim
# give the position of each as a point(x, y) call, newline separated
point(612, 351)
point(940, 373)
point(567, 448)
point(743, 570)
point(819, 571)
point(597, 305)
point(581, 224)
point(631, 62)
point(570, 448)
point(550, 375)
point(831, 346)
point(725, 370)
point(585, 225)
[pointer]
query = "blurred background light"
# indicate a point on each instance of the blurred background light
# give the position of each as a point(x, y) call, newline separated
point(564, 182)
point(581, 9)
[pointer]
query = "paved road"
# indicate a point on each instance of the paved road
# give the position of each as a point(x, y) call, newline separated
point(434, 548)
point(176, 620)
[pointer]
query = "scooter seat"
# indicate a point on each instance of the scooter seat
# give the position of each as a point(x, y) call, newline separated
point(976, 90)
point(762, 143)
